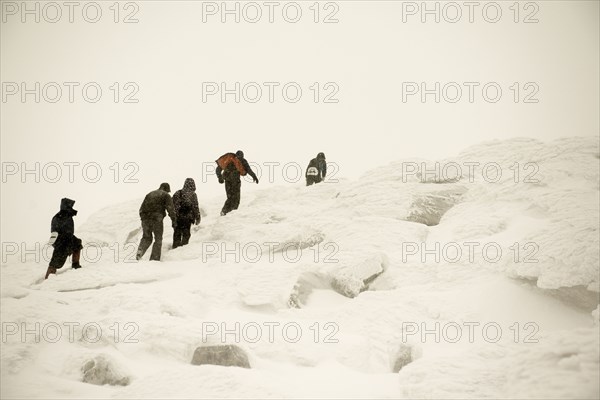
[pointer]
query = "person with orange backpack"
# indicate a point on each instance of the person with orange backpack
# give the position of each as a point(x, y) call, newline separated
point(230, 167)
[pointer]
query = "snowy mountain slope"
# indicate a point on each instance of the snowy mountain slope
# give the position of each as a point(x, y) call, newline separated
point(348, 261)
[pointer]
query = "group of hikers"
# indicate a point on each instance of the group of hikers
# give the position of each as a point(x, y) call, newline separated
point(182, 208)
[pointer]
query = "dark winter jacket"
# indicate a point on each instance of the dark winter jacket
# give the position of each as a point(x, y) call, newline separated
point(156, 202)
point(63, 224)
point(185, 202)
point(320, 164)
point(231, 170)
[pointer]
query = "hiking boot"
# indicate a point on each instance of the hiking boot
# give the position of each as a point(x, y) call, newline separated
point(75, 259)
point(49, 271)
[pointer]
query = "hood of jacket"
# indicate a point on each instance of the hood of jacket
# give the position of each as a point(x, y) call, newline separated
point(66, 205)
point(189, 185)
point(165, 186)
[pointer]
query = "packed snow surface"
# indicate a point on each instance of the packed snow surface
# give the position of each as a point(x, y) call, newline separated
point(475, 276)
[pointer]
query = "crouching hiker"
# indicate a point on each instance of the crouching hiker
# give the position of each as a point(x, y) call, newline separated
point(63, 238)
point(152, 213)
point(185, 202)
point(230, 167)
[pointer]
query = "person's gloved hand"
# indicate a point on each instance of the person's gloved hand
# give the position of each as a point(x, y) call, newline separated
point(197, 221)
point(221, 180)
point(255, 179)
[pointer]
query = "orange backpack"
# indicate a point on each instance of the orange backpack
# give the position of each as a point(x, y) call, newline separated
point(228, 158)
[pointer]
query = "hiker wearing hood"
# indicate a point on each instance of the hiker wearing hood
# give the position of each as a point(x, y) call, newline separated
point(316, 170)
point(63, 238)
point(185, 202)
point(152, 213)
point(230, 167)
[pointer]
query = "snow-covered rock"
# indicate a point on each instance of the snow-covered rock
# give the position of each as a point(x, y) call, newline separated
point(102, 370)
point(226, 355)
point(429, 208)
point(402, 358)
point(352, 278)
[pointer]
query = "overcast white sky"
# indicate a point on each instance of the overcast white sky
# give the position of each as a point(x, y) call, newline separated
point(368, 55)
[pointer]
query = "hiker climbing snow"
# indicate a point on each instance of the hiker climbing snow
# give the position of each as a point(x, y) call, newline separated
point(230, 167)
point(63, 238)
point(152, 213)
point(185, 202)
point(316, 170)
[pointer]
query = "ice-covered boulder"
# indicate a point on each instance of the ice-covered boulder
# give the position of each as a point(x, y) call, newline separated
point(428, 208)
point(225, 355)
point(103, 370)
point(306, 283)
point(402, 358)
point(351, 278)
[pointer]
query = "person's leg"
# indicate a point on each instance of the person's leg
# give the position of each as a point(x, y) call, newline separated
point(228, 202)
point(146, 239)
point(59, 257)
point(178, 234)
point(49, 271)
point(157, 229)
point(75, 259)
point(76, 252)
point(186, 226)
point(236, 195)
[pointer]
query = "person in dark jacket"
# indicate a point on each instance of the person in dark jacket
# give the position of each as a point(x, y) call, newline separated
point(152, 213)
point(65, 243)
point(230, 167)
point(316, 170)
point(185, 202)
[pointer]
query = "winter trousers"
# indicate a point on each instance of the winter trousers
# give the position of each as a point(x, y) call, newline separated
point(233, 189)
point(63, 248)
point(181, 233)
point(312, 179)
point(151, 226)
